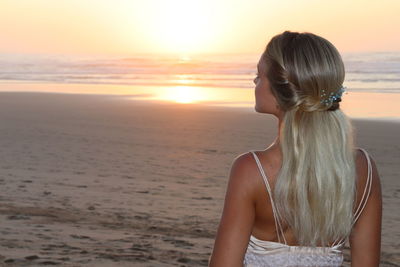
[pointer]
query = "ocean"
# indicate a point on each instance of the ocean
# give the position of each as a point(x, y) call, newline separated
point(208, 79)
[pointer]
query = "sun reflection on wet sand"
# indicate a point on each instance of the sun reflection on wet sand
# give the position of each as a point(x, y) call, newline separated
point(182, 94)
point(355, 104)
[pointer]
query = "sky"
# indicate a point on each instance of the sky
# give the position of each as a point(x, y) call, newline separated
point(130, 27)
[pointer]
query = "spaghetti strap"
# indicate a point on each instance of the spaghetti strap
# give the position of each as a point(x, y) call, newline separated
point(278, 225)
point(365, 195)
point(367, 189)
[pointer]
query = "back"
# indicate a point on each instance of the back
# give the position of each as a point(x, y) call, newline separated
point(279, 252)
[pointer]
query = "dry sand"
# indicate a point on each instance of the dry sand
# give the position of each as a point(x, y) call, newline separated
point(106, 181)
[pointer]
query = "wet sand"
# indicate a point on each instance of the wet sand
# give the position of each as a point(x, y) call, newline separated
point(91, 180)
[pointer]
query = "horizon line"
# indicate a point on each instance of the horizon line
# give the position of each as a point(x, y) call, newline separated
point(127, 55)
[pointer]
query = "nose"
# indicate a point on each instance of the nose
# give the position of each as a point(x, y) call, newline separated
point(255, 81)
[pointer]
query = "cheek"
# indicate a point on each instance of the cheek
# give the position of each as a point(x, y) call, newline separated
point(265, 100)
point(261, 97)
point(258, 92)
point(272, 99)
point(263, 94)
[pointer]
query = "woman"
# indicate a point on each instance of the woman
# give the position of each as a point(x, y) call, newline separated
point(297, 202)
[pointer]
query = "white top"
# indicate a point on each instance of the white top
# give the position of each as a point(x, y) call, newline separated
point(261, 253)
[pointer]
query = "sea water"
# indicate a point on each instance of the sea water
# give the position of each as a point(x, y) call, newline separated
point(372, 79)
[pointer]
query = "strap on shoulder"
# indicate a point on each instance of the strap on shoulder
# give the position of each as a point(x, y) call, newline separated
point(365, 196)
point(367, 189)
point(278, 225)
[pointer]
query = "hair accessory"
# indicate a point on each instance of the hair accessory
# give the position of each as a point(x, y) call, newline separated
point(332, 96)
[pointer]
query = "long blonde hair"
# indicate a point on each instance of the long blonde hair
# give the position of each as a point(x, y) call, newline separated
point(315, 188)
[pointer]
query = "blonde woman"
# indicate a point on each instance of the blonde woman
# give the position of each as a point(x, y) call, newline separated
point(297, 202)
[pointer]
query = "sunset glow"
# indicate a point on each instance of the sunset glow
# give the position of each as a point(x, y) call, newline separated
point(186, 51)
point(184, 26)
point(190, 26)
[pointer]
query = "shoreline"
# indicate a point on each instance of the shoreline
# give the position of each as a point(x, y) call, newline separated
point(138, 100)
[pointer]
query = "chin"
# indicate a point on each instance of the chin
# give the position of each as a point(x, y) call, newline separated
point(260, 110)
point(265, 111)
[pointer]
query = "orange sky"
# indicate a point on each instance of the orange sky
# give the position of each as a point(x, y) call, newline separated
point(128, 27)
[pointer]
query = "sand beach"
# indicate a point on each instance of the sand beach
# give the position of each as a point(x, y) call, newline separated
point(96, 180)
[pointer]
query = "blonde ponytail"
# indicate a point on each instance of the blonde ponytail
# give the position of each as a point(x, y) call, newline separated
point(315, 188)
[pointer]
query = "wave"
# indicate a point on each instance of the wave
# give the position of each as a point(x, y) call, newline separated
point(365, 71)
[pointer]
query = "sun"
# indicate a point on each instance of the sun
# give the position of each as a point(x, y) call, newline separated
point(182, 26)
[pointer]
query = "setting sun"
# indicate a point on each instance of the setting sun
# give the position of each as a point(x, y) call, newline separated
point(182, 26)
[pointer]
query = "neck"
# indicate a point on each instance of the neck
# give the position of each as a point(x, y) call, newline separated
point(276, 143)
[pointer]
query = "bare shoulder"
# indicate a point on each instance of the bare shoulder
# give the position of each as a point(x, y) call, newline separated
point(238, 215)
point(243, 173)
point(243, 163)
point(374, 197)
point(365, 239)
point(362, 166)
